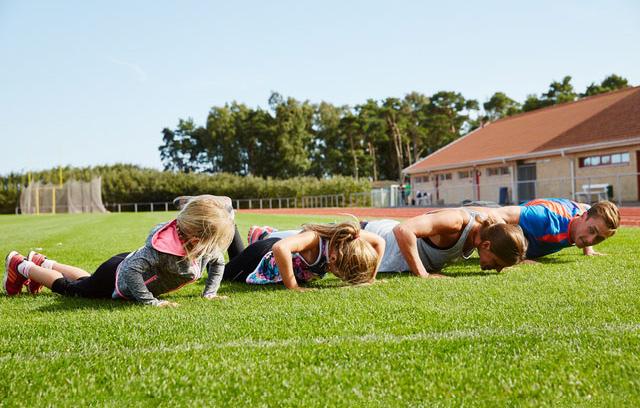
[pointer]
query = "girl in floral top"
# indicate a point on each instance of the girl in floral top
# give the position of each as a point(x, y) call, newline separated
point(343, 249)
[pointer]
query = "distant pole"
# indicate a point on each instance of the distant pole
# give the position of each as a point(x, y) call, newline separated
point(38, 200)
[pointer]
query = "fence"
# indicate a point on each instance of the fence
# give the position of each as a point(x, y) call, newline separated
point(320, 201)
point(620, 188)
point(624, 189)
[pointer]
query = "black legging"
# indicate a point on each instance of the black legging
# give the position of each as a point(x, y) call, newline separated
point(247, 261)
point(236, 245)
point(99, 285)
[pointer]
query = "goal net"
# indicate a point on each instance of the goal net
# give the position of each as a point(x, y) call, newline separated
point(72, 197)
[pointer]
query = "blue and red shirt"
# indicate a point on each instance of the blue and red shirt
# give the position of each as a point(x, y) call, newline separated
point(546, 221)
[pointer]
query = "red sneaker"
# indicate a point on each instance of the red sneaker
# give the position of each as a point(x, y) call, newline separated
point(257, 233)
point(13, 281)
point(34, 287)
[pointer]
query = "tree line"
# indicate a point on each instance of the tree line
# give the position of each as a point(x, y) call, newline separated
point(373, 140)
point(126, 183)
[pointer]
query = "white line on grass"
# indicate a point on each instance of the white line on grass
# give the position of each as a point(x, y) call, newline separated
point(474, 333)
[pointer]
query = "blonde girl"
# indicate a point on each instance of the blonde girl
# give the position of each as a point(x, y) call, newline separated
point(175, 254)
point(343, 249)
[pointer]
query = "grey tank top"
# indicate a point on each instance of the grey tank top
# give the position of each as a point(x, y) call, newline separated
point(433, 259)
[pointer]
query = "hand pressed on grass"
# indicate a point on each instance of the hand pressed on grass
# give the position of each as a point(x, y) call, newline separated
point(167, 303)
point(216, 297)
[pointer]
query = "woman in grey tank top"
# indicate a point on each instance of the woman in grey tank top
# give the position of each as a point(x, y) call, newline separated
point(426, 243)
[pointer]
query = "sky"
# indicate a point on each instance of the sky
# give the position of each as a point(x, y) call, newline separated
point(95, 82)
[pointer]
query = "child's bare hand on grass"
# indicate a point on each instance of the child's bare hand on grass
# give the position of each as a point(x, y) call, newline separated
point(216, 297)
point(167, 303)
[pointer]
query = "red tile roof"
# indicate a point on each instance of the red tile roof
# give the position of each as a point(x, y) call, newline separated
point(602, 118)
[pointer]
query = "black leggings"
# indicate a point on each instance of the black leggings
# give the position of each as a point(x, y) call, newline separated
point(100, 285)
point(236, 245)
point(247, 261)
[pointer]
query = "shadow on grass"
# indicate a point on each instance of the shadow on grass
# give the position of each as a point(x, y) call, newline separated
point(239, 287)
point(447, 272)
point(471, 274)
point(554, 261)
point(74, 303)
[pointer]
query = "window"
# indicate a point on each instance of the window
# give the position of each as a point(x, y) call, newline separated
point(421, 179)
point(604, 160)
point(464, 174)
point(498, 171)
point(445, 176)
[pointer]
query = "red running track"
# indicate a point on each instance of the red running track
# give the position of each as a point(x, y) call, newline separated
point(630, 216)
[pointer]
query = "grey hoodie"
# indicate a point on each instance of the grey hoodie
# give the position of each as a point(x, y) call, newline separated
point(155, 269)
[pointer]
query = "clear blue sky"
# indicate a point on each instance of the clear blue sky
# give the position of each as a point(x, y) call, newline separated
point(94, 82)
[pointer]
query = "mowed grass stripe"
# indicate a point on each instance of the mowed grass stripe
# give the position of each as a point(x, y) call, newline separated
point(484, 333)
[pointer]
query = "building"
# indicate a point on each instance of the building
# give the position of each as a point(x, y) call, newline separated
point(587, 149)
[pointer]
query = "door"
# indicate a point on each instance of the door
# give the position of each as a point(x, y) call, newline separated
point(526, 182)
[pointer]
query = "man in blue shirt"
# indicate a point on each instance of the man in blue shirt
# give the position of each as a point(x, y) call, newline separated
point(551, 224)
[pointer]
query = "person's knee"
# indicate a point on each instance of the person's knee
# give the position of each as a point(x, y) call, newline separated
point(64, 287)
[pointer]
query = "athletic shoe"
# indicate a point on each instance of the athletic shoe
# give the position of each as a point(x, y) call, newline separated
point(181, 201)
point(257, 233)
point(34, 287)
point(13, 280)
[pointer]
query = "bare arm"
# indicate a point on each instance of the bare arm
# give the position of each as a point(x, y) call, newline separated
point(510, 213)
point(283, 251)
point(378, 245)
point(422, 226)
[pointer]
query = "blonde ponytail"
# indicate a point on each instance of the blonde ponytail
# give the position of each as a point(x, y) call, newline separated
point(355, 259)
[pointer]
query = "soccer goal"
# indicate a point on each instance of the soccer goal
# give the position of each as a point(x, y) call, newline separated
point(72, 197)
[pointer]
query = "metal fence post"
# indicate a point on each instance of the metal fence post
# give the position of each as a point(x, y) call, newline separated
point(135, 207)
point(151, 206)
point(619, 190)
point(166, 207)
point(119, 208)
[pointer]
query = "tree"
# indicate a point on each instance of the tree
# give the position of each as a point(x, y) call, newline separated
point(326, 153)
point(499, 106)
point(293, 135)
point(448, 117)
point(372, 124)
point(560, 92)
point(611, 83)
point(181, 146)
point(417, 105)
point(396, 122)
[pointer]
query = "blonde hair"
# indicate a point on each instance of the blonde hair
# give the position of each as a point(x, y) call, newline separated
point(608, 212)
point(209, 222)
point(355, 259)
point(507, 241)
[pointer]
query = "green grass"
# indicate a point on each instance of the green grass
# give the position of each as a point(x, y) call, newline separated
point(564, 332)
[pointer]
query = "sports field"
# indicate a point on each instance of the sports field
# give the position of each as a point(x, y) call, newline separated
point(563, 332)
